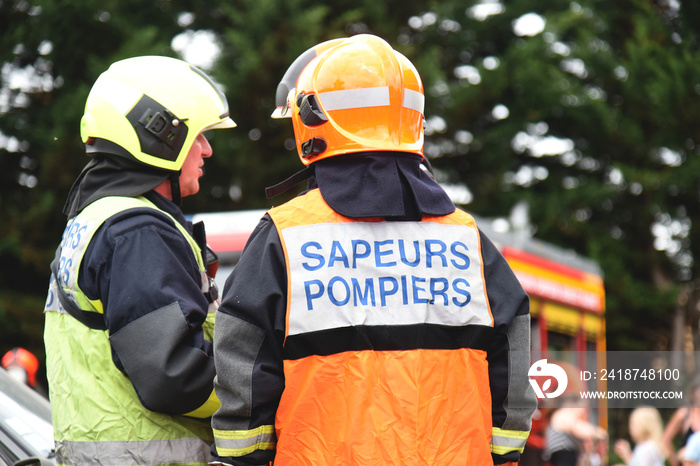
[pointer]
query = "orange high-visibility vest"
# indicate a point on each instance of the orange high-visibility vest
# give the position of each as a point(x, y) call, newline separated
point(385, 359)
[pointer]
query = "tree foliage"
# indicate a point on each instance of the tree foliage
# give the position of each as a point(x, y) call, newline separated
point(589, 118)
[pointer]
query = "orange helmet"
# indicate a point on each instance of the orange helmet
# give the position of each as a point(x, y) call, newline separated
point(352, 95)
point(20, 357)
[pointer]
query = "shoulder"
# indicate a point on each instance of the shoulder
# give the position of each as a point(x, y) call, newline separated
point(309, 207)
point(120, 214)
point(138, 219)
point(145, 229)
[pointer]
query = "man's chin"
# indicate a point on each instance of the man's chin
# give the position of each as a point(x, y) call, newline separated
point(190, 191)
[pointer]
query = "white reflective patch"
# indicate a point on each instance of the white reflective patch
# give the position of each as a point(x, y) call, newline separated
point(122, 96)
point(390, 273)
point(413, 100)
point(52, 301)
point(354, 98)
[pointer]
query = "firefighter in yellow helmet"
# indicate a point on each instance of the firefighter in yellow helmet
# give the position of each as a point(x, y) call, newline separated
point(369, 321)
point(130, 309)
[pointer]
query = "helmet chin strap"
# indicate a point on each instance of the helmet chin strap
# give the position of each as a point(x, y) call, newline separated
point(289, 183)
point(175, 188)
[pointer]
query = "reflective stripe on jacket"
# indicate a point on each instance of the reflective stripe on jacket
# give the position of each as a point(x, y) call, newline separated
point(394, 351)
point(97, 415)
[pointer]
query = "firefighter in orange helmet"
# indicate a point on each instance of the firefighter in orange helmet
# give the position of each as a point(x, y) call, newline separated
point(368, 321)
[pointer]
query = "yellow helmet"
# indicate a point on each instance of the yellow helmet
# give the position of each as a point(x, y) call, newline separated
point(353, 95)
point(152, 108)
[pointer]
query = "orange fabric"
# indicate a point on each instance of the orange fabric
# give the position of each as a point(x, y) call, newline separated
point(376, 408)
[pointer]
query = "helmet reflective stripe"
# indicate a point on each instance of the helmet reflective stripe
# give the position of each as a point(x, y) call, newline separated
point(414, 100)
point(355, 98)
point(370, 97)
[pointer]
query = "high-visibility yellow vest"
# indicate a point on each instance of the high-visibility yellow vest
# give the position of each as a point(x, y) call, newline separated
point(97, 416)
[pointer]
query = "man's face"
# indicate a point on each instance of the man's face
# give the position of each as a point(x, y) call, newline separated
point(192, 168)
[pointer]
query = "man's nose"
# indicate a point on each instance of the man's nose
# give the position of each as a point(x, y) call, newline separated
point(206, 147)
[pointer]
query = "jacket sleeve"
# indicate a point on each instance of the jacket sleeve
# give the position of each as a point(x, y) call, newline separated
point(512, 397)
point(146, 276)
point(248, 337)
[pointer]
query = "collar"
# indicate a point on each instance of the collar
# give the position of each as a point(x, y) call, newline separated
point(381, 184)
point(168, 206)
point(105, 176)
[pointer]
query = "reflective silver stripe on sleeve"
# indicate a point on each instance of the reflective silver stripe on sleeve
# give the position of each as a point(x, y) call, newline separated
point(136, 453)
point(236, 443)
point(413, 100)
point(505, 441)
point(355, 98)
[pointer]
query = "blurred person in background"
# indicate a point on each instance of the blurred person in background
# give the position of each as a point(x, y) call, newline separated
point(646, 431)
point(22, 365)
point(570, 438)
point(368, 321)
point(130, 309)
point(684, 423)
